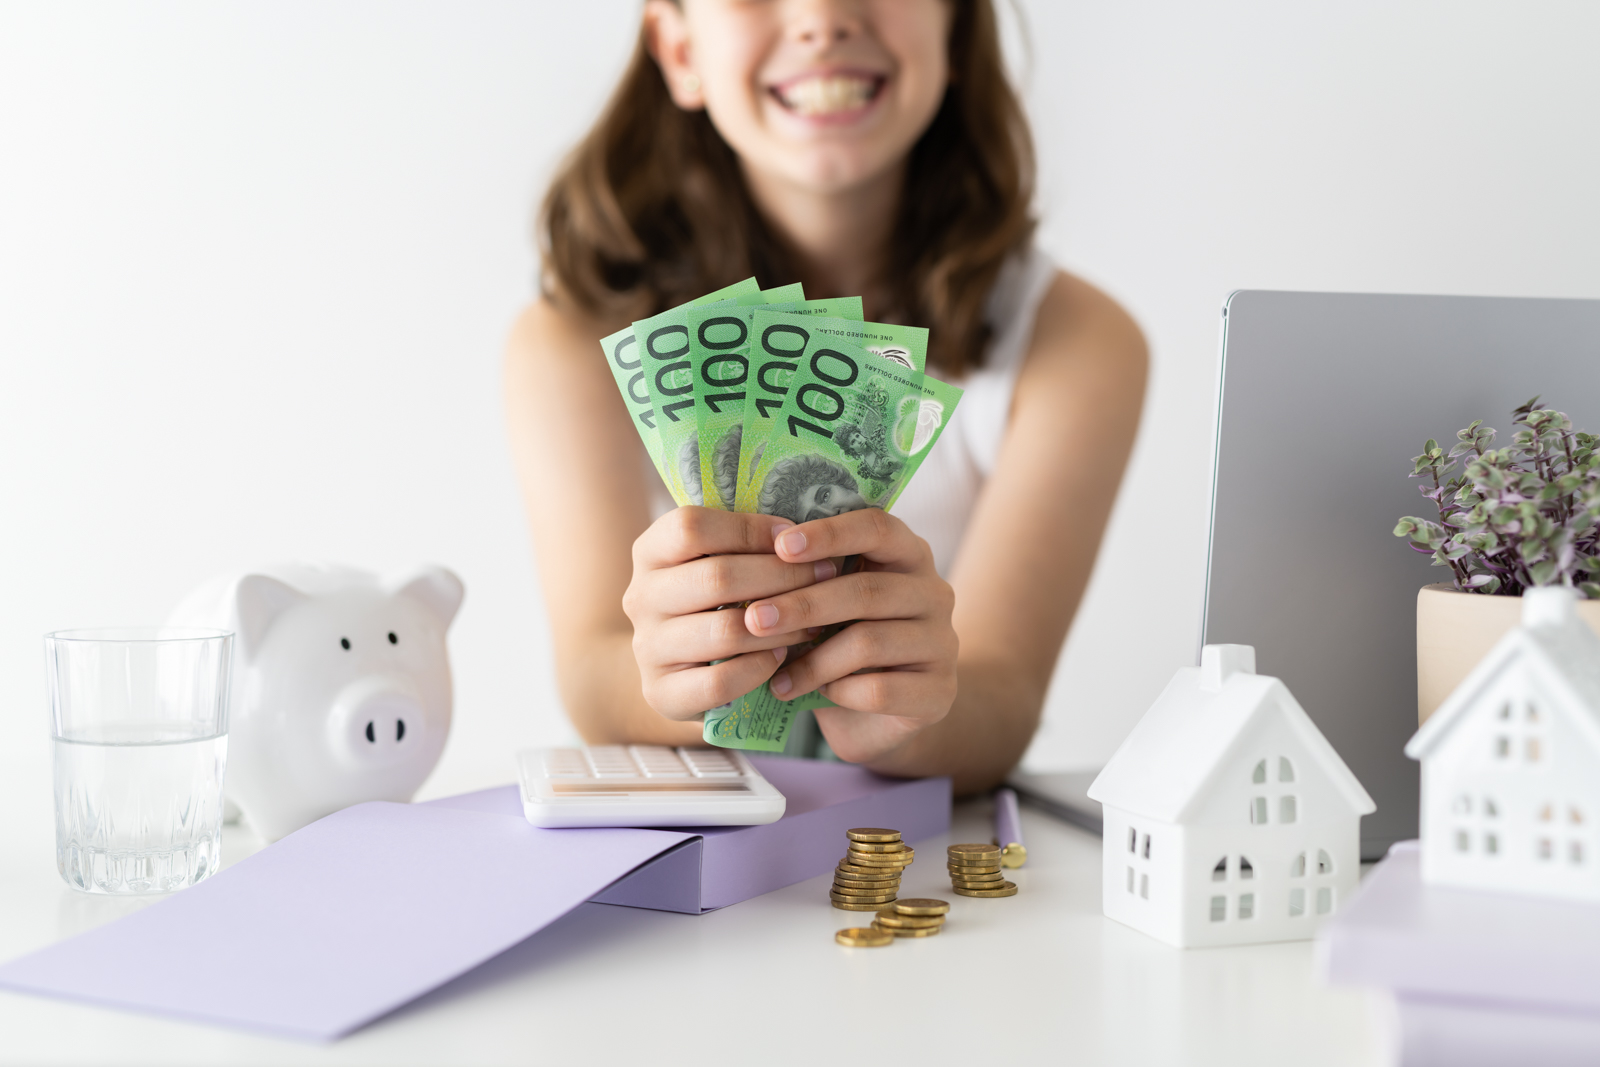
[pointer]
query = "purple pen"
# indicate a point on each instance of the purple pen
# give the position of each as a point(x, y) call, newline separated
point(1008, 829)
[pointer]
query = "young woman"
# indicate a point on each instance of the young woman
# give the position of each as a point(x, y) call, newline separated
point(869, 147)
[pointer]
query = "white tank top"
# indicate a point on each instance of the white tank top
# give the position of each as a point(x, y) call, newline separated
point(939, 501)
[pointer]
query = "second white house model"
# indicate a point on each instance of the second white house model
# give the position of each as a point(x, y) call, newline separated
point(1511, 762)
point(1228, 817)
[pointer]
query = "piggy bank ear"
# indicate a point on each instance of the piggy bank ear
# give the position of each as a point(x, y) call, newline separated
point(260, 600)
point(436, 588)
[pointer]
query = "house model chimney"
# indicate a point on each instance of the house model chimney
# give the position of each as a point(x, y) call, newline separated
point(1548, 605)
point(1217, 662)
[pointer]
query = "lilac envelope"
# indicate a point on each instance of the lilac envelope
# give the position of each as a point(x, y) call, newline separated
point(340, 922)
point(361, 912)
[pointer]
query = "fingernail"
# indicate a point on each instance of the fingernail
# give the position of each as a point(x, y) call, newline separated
point(794, 543)
point(781, 684)
point(825, 570)
point(780, 653)
point(766, 616)
point(777, 531)
point(812, 631)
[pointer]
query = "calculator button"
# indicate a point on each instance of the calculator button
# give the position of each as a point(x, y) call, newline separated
point(709, 764)
point(656, 761)
point(612, 761)
point(565, 763)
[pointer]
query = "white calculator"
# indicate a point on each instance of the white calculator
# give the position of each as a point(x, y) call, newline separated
point(644, 785)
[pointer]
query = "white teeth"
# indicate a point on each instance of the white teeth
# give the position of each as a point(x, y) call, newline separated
point(824, 96)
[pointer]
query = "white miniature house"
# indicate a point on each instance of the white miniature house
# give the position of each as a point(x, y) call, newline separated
point(1511, 762)
point(1228, 817)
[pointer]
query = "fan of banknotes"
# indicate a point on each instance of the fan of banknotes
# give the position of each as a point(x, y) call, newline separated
point(761, 401)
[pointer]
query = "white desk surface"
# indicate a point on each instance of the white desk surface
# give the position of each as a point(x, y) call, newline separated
point(1039, 977)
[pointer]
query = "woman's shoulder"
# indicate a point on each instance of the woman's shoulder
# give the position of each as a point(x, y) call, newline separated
point(546, 329)
point(1078, 323)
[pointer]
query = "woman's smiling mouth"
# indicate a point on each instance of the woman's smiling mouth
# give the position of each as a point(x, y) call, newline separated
point(821, 95)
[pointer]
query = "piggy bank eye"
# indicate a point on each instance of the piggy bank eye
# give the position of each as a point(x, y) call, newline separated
point(393, 640)
point(344, 643)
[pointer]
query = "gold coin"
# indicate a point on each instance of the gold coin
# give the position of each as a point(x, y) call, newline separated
point(857, 897)
point(879, 859)
point(844, 905)
point(872, 833)
point(984, 865)
point(968, 872)
point(863, 891)
point(1005, 889)
point(922, 906)
point(863, 937)
point(974, 853)
point(858, 883)
point(894, 920)
point(977, 877)
point(876, 876)
point(878, 846)
point(909, 931)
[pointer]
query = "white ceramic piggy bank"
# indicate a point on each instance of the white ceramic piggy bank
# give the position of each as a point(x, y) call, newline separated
point(341, 686)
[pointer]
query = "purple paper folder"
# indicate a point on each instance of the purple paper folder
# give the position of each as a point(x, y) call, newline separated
point(368, 909)
point(1478, 977)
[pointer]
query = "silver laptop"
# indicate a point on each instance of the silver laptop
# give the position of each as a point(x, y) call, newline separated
point(1325, 398)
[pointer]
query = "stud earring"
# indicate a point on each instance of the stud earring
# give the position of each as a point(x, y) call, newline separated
point(691, 83)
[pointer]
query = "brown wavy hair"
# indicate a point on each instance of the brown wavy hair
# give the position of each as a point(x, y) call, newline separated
point(651, 210)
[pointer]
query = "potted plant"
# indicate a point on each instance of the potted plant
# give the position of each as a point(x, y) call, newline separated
point(1509, 518)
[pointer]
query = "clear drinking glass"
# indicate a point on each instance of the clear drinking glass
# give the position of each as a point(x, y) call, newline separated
point(139, 719)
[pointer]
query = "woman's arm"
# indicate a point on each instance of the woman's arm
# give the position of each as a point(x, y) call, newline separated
point(1032, 541)
point(582, 472)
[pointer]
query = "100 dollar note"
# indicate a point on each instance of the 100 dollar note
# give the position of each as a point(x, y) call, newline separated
point(719, 355)
point(623, 356)
point(846, 435)
point(669, 377)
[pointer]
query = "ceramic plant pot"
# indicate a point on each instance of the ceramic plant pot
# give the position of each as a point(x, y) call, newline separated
point(1456, 630)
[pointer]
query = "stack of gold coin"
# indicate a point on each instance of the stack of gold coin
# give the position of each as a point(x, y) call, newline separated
point(869, 875)
point(975, 871)
point(912, 917)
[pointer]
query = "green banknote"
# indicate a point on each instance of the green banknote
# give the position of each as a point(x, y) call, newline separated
point(776, 341)
point(783, 294)
point(905, 345)
point(719, 356)
point(627, 368)
point(758, 720)
point(939, 401)
point(845, 436)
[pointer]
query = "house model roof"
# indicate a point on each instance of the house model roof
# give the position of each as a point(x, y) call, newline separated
point(1552, 640)
point(1196, 731)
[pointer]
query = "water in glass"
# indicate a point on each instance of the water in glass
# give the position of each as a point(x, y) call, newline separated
point(139, 806)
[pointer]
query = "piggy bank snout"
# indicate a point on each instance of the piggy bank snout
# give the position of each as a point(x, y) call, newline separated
point(378, 722)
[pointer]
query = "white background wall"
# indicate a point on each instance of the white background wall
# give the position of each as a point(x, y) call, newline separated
point(257, 260)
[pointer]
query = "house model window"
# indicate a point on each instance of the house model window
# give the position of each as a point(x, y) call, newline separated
point(1255, 817)
point(1508, 762)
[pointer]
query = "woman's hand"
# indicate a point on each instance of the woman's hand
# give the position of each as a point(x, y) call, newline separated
point(689, 563)
point(891, 674)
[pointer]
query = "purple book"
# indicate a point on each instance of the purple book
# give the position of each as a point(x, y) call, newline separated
point(1463, 1033)
point(368, 909)
point(1433, 942)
